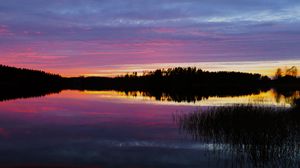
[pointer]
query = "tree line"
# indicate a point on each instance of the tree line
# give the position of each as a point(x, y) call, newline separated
point(178, 83)
point(289, 72)
point(23, 83)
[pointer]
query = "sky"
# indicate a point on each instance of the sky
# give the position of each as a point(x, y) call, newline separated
point(110, 37)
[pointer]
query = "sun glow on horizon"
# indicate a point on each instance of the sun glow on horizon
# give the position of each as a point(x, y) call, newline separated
point(262, 67)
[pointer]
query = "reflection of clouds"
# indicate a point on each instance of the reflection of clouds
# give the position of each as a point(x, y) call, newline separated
point(154, 144)
point(4, 133)
point(100, 127)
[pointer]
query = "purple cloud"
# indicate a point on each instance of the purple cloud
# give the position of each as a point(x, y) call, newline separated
point(88, 33)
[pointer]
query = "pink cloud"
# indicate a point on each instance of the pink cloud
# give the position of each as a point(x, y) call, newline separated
point(4, 31)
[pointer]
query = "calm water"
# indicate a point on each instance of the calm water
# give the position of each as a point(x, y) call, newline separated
point(111, 129)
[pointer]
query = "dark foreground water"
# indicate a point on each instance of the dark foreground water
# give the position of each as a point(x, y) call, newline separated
point(111, 129)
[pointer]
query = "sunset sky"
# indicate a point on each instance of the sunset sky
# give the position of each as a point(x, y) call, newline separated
point(110, 37)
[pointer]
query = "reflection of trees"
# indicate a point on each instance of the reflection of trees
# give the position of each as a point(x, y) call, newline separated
point(289, 96)
point(254, 136)
point(10, 93)
point(286, 96)
point(193, 95)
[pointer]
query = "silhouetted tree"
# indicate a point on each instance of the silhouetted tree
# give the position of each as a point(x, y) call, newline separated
point(292, 71)
point(278, 73)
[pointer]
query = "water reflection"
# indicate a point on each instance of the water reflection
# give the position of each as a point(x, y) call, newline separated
point(250, 135)
point(72, 129)
point(286, 96)
point(268, 98)
point(12, 93)
point(133, 129)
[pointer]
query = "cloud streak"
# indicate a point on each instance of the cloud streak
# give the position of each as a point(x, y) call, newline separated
point(89, 33)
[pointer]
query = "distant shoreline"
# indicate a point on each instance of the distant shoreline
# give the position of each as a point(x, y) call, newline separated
point(177, 83)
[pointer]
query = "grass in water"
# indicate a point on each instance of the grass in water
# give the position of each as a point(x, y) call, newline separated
point(265, 136)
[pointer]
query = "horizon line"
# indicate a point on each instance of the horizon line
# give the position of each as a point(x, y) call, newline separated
point(264, 68)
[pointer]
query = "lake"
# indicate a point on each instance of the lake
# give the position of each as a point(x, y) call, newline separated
point(114, 129)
